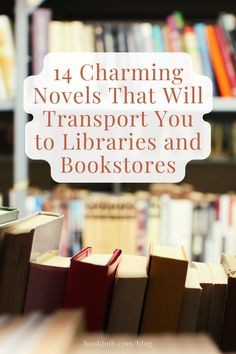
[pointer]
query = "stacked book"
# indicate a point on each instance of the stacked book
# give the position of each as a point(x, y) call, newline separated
point(118, 292)
point(211, 46)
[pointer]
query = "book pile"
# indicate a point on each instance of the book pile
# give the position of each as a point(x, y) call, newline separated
point(118, 292)
point(211, 46)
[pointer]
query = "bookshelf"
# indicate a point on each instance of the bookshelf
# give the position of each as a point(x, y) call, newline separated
point(88, 10)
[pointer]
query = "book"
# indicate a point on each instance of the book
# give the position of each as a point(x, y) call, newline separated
point(228, 23)
point(55, 36)
point(173, 210)
point(192, 48)
point(8, 214)
point(226, 56)
point(146, 36)
point(167, 271)
point(153, 222)
point(174, 34)
point(218, 301)
point(40, 24)
point(205, 280)
point(200, 30)
point(55, 334)
point(7, 55)
point(89, 285)
point(77, 36)
point(47, 283)
point(190, 304)
point(16, 337)
point(128, 295)
point(99, 38)
point(158, 39)
point(228, 340)
point(218, 63)
point(22, 240)
point(3, 91)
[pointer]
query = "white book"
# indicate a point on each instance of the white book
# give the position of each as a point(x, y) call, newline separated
point(7, 56)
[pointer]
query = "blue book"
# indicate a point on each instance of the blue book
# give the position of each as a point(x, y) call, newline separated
point(200, 30)
point(158, 39)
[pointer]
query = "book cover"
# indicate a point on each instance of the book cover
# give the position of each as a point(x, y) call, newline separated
point(128, 295)
point(47, 283)
point(22, 240)
point(218, 63)
point(89, 285)
point(8, 214)
point(228, 339)
point(167, 271)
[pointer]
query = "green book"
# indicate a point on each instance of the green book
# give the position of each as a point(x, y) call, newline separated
point(8, 214)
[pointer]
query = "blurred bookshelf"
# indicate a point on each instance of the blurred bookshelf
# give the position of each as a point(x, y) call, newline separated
point(200, 213)
point(17, 169)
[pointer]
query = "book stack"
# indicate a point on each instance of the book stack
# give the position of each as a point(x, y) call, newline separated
point(211, 46)
point(117, 292)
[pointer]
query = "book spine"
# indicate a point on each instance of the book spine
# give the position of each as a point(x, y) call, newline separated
point(46, 288)
point(200, 29)
point(225, 52)
point(218, 63)
point(40, 23)
point(191, 47)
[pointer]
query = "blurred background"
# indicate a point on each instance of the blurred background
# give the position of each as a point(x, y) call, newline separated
point(206, 198)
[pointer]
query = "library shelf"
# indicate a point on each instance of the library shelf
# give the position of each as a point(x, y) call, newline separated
point(221, 104)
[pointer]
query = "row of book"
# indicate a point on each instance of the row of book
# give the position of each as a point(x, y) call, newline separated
point(63, 333)
point(211, 46)
point(104, 220)
point(223, 135)
point(161, 292)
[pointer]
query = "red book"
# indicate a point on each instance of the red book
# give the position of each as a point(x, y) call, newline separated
point(89, 286)
point(218, 62)
point(226, 55)
point(47, 283)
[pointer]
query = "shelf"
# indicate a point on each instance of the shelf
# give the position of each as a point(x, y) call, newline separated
point(150, 9)
point(216, 161)
point(221, 104)
point(7, 105)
